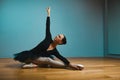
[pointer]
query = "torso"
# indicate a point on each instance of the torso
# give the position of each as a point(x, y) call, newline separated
point(50, 47)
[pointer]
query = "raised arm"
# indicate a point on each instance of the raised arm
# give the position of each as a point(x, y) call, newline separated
point(48, 33)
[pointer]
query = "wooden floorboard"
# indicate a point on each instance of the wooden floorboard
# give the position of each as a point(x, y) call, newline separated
point(95, 69)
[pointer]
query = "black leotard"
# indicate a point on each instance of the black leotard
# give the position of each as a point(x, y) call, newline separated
point(41, 49)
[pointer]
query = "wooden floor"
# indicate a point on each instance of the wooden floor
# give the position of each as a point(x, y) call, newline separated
point(95, 69)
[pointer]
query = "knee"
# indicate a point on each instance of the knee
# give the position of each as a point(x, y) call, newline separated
point(49, 60)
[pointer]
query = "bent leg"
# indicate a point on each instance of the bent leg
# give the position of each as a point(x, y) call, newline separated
point(49, 61)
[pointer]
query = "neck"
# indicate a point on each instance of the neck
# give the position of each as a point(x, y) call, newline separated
point(54, 44)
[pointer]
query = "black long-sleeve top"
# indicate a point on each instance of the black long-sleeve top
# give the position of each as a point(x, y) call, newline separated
point(41, 48)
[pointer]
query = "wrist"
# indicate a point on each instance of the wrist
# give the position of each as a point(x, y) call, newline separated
point(48, 15)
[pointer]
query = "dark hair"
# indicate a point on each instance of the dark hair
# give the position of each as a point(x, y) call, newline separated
point(64, 41)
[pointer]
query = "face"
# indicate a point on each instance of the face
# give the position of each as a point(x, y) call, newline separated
point(58, 38)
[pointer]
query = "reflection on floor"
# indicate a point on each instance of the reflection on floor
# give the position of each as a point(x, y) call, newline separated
point(95, 69)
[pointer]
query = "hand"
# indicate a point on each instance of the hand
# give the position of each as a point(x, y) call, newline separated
point(48, 11)
point(76, 67)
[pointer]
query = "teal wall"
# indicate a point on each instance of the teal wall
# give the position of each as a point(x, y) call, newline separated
point(113, 26)
point(22, 26)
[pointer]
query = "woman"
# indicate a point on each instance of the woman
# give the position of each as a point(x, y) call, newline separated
point(41, 54)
